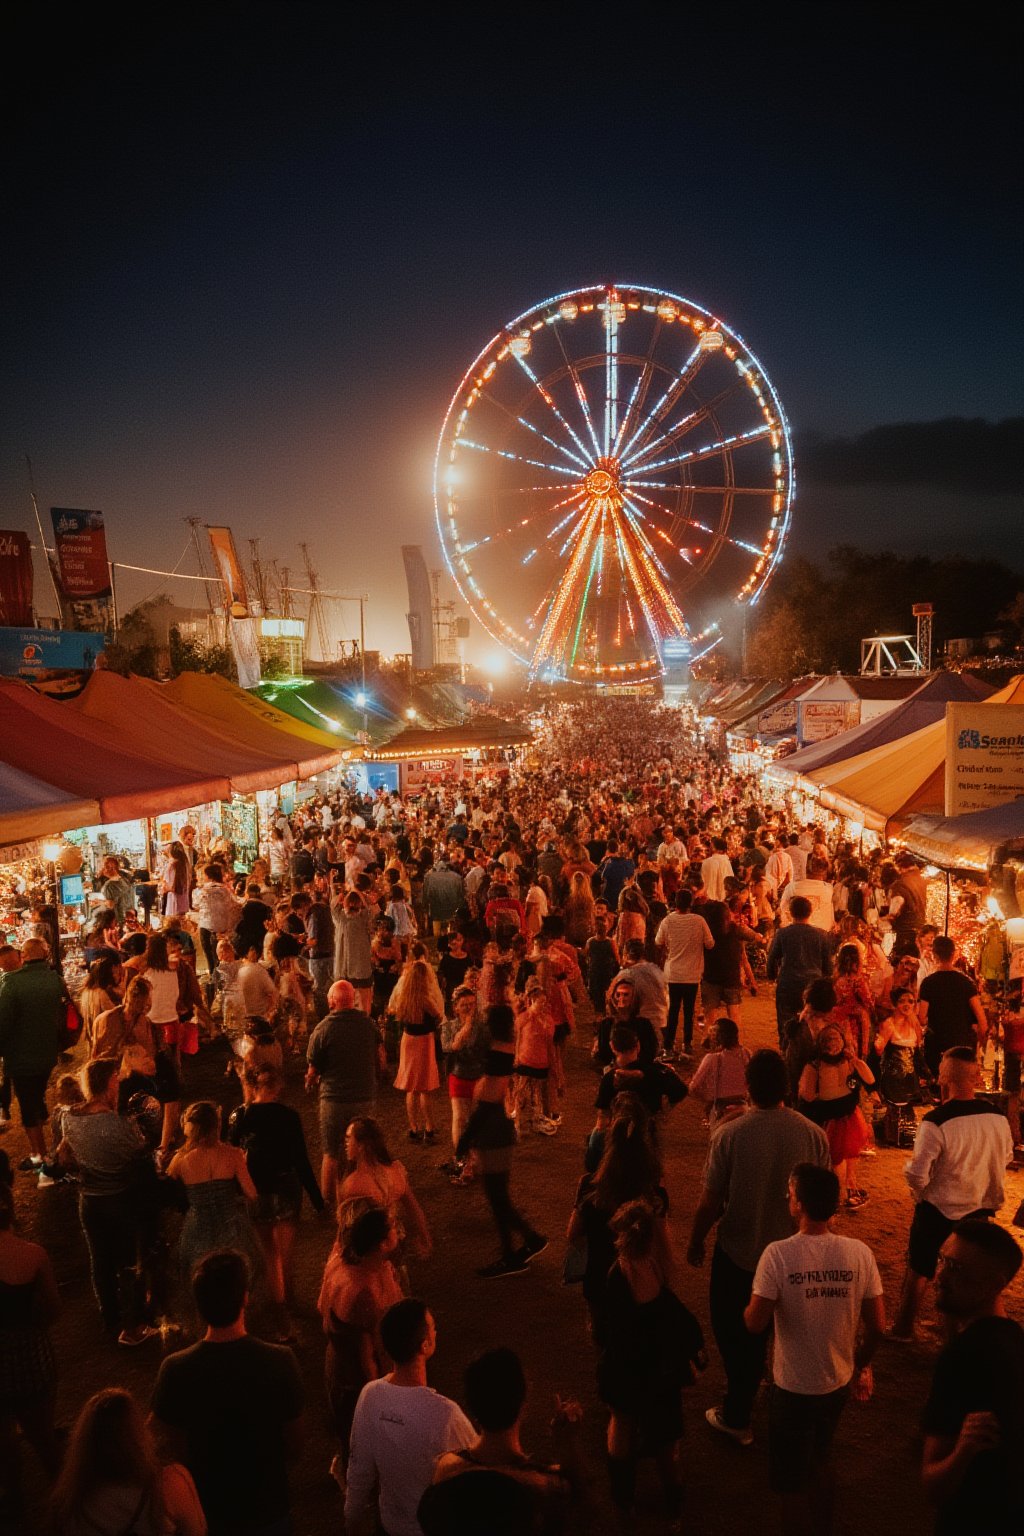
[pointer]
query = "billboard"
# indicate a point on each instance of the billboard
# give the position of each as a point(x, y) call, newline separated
point(229, 569)
point(83, 572)
point(820, 720)
point(984, 756)
point(15, 578)
point(53, 660)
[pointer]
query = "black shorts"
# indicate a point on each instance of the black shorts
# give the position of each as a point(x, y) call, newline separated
point(538, 1073)
point(801, 1429)
point(928, 1231)
point(30, 1091)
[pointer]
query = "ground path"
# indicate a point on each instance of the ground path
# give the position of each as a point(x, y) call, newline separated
point(727, 1486)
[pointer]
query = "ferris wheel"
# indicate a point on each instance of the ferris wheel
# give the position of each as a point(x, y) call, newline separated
point(614, 470)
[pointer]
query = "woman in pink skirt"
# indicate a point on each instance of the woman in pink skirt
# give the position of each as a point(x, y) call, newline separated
point(418, 1006)
point(829, 1094)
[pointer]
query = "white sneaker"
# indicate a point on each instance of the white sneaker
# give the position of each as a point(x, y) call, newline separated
point(545, 1127)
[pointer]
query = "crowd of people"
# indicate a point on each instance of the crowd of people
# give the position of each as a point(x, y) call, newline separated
point(621, 889)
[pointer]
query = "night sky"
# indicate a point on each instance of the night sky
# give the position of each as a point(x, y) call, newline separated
point(250, 251)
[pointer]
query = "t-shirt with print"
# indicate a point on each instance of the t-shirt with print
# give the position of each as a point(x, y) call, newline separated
point(818, 1283)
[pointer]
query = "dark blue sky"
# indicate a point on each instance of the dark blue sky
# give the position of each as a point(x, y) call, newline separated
point(249, 254)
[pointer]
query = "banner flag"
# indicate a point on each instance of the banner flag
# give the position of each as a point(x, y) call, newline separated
point(83, 572)
point(246, 648)
point(15, 579)
point(229, 569)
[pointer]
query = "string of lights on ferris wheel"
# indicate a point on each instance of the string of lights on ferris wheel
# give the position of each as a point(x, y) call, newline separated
point(592, 517)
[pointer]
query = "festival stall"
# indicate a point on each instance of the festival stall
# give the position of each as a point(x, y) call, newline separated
point(480, 748)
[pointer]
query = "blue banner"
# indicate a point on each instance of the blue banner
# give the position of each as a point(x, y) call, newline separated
point(52, 659)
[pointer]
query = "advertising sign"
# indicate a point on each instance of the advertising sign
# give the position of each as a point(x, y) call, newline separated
point(83, 573)
point(15, 578)
point(229, 569)
point(246, 648)
point(820, 720)
point(984, 755)
point(777, 719)
point(53, 660)
point(420, 774)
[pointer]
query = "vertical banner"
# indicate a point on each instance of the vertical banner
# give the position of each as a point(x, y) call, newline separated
point(83, 573)
point(246, 648)
point(15, 580)
point(229, 569)
point(984, 756)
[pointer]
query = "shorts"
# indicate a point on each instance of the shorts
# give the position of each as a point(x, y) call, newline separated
point(460, 1087)
point(928, 1231)
point(30, 1091)
point(715, 996)
point(562, 1032)
point(539, 1074)
point(335, 1119)
point(801, 1429)
point(282, 1201)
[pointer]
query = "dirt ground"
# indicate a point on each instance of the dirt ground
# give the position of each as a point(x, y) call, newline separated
point(878, 1443)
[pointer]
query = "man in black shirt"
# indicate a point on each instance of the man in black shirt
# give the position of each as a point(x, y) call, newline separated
point(949, 1007)
point(799, 954)
point(231, 1406)
point(974, 1418)
point(342, 1066)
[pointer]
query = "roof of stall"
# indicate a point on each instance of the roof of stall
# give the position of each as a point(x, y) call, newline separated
point(31, 808)
point(924, 707)
point(246, 718)
point(975, 841)
point(479, 734)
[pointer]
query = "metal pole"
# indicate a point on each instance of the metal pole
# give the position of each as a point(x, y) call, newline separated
point(42, 541)
point(945, 924)
point(362, 656)
point(113, 596)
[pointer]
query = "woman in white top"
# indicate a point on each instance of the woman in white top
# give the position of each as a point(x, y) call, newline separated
point(113, 1482)
point(720, 1082)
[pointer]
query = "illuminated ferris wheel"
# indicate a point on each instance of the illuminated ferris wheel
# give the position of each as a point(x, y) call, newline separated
point(614, 469)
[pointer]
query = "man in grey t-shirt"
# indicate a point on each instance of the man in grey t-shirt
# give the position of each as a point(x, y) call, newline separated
point(342, 1057)
point(746, 1191)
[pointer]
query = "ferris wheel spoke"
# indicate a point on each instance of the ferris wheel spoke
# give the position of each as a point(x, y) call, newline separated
point(581, 393)
point(640, 390)
point(696, 455)
point(549, 402)
point(611, 375)
point(688, 424)
point(679, 384)
point(703, 490)
point(522, 422)
point(466, 547)
point(518, 458)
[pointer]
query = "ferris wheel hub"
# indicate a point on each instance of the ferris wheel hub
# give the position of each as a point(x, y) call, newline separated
point(604, 479)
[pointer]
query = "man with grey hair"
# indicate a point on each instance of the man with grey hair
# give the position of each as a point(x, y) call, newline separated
point(342, 1066)
point(956, 1173)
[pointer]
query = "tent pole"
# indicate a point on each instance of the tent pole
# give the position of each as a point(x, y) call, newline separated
point(945, 925)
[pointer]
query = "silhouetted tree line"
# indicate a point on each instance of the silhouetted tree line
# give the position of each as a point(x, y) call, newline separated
point(814, 615)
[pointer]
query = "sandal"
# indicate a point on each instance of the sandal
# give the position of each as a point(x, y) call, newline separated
point(855, 1199)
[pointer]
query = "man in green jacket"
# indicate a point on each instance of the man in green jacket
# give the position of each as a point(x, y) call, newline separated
point(31, 1000)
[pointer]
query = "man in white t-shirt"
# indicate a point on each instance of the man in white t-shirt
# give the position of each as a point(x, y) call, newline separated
point(683, 936)
point(818, 892)
point(819, 1288)
point(401, 1426)
point(716, 869)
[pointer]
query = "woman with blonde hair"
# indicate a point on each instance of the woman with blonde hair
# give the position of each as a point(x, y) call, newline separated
point(418, 1006)
point(113, 1481)
point(578, 911)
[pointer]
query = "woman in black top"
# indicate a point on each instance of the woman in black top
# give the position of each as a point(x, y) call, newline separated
point(275, 1153)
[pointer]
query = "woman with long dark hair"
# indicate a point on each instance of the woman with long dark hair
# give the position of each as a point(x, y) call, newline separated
point(113, 1482)
point(630, 1169)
